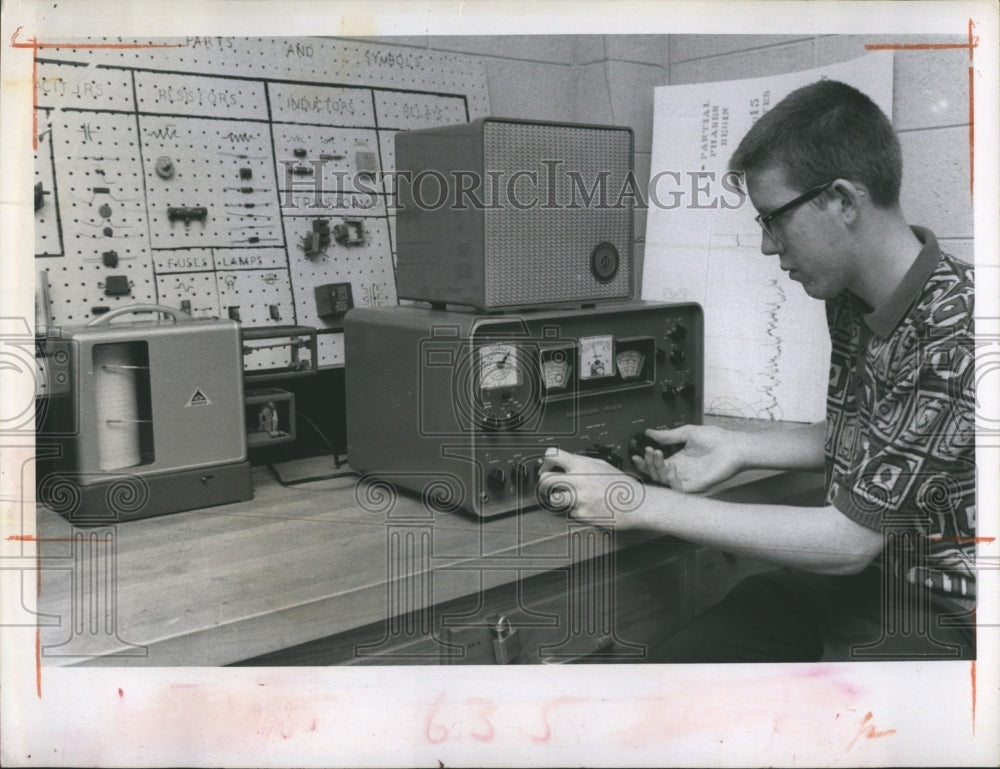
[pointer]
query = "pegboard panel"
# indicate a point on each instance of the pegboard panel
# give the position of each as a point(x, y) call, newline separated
point(249, 258)
point(48, 238)
point(209, 182)
point(306, 103)
point(101, 215)
point(327, 168)
point(303, 60)
point(409, 111)
point(173, 94)
point(187, 260)
point(78, 86)
point(387, 149)
point(194, 292)
point(330, 347)
point(192, 173)
point(366, 266)
point(256, 297)
point(77, 293)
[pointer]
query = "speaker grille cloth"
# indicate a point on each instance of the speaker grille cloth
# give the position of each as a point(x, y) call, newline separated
point(541, 253)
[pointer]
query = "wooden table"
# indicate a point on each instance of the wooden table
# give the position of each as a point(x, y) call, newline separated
point(309, 574)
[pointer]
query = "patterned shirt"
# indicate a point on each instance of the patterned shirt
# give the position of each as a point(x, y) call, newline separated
point(900, 440)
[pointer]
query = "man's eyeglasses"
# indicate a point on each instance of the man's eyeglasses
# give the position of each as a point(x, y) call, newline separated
point(765, 220)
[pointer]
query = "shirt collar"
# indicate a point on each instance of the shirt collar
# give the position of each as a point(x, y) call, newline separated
point(884, 319)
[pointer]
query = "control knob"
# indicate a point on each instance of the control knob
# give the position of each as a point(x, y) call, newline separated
point(639, 442)
point(606, 453)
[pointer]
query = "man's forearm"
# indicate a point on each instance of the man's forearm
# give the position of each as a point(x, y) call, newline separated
point(819, 539)
point(796, 448)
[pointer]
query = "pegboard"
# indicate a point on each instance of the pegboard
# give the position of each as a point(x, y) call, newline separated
point(224, 169)
point(48, 238)
point(231, 177)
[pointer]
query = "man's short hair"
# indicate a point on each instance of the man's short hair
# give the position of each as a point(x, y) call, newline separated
point(824, 131)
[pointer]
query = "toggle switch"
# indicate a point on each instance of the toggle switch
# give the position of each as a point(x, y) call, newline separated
point(496, 480)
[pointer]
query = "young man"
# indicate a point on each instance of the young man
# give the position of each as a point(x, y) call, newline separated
point(885, 568)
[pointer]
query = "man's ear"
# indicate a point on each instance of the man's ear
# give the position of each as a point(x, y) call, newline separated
point(848, 196)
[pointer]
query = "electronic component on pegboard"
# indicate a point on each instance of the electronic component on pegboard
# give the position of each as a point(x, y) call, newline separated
point(187, 214)
point(40, 194)
point(315, 243)
point(256, 239)
point(164, 167)
point(116, 285)
point(333, 300)
point(185, 173)
point(366, 164)
point(350, 233)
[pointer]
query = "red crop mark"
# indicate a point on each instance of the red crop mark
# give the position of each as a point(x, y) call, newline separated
point(968, 540)
point(971, 45)
point(38, 662)
point(972, 681)
point(38, 592)
point(37, 46)
point(33, 538)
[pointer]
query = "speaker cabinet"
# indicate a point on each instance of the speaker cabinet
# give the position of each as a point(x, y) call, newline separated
point(502, 214)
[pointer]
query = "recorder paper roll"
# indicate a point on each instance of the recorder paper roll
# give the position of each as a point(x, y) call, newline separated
point(117, 406)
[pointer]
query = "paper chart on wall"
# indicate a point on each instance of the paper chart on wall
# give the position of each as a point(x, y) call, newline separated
point(766, 344)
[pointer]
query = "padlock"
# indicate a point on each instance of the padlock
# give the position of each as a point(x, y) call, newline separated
point(506, 641)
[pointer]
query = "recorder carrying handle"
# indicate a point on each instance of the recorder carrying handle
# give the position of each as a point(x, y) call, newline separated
point(177, 315)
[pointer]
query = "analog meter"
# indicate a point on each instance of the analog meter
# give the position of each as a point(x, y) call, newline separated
point(506, 386)
point(499, 367)
point(597, 357)
point(556, 369)
point(629, 363)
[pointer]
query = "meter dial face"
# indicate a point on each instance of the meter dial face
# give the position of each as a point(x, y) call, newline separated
point(506, 387)
point(597, 357)
point(629, 363)
point(555, 370)
point(499, 367)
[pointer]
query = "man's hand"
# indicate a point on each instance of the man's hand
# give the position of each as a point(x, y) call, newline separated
point(590, 489)
point(710, 455)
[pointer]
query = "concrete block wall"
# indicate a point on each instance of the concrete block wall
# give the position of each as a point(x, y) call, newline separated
point(930, 108)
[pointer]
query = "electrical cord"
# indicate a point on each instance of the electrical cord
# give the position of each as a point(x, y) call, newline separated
point(313, 478)
point(336, 457)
